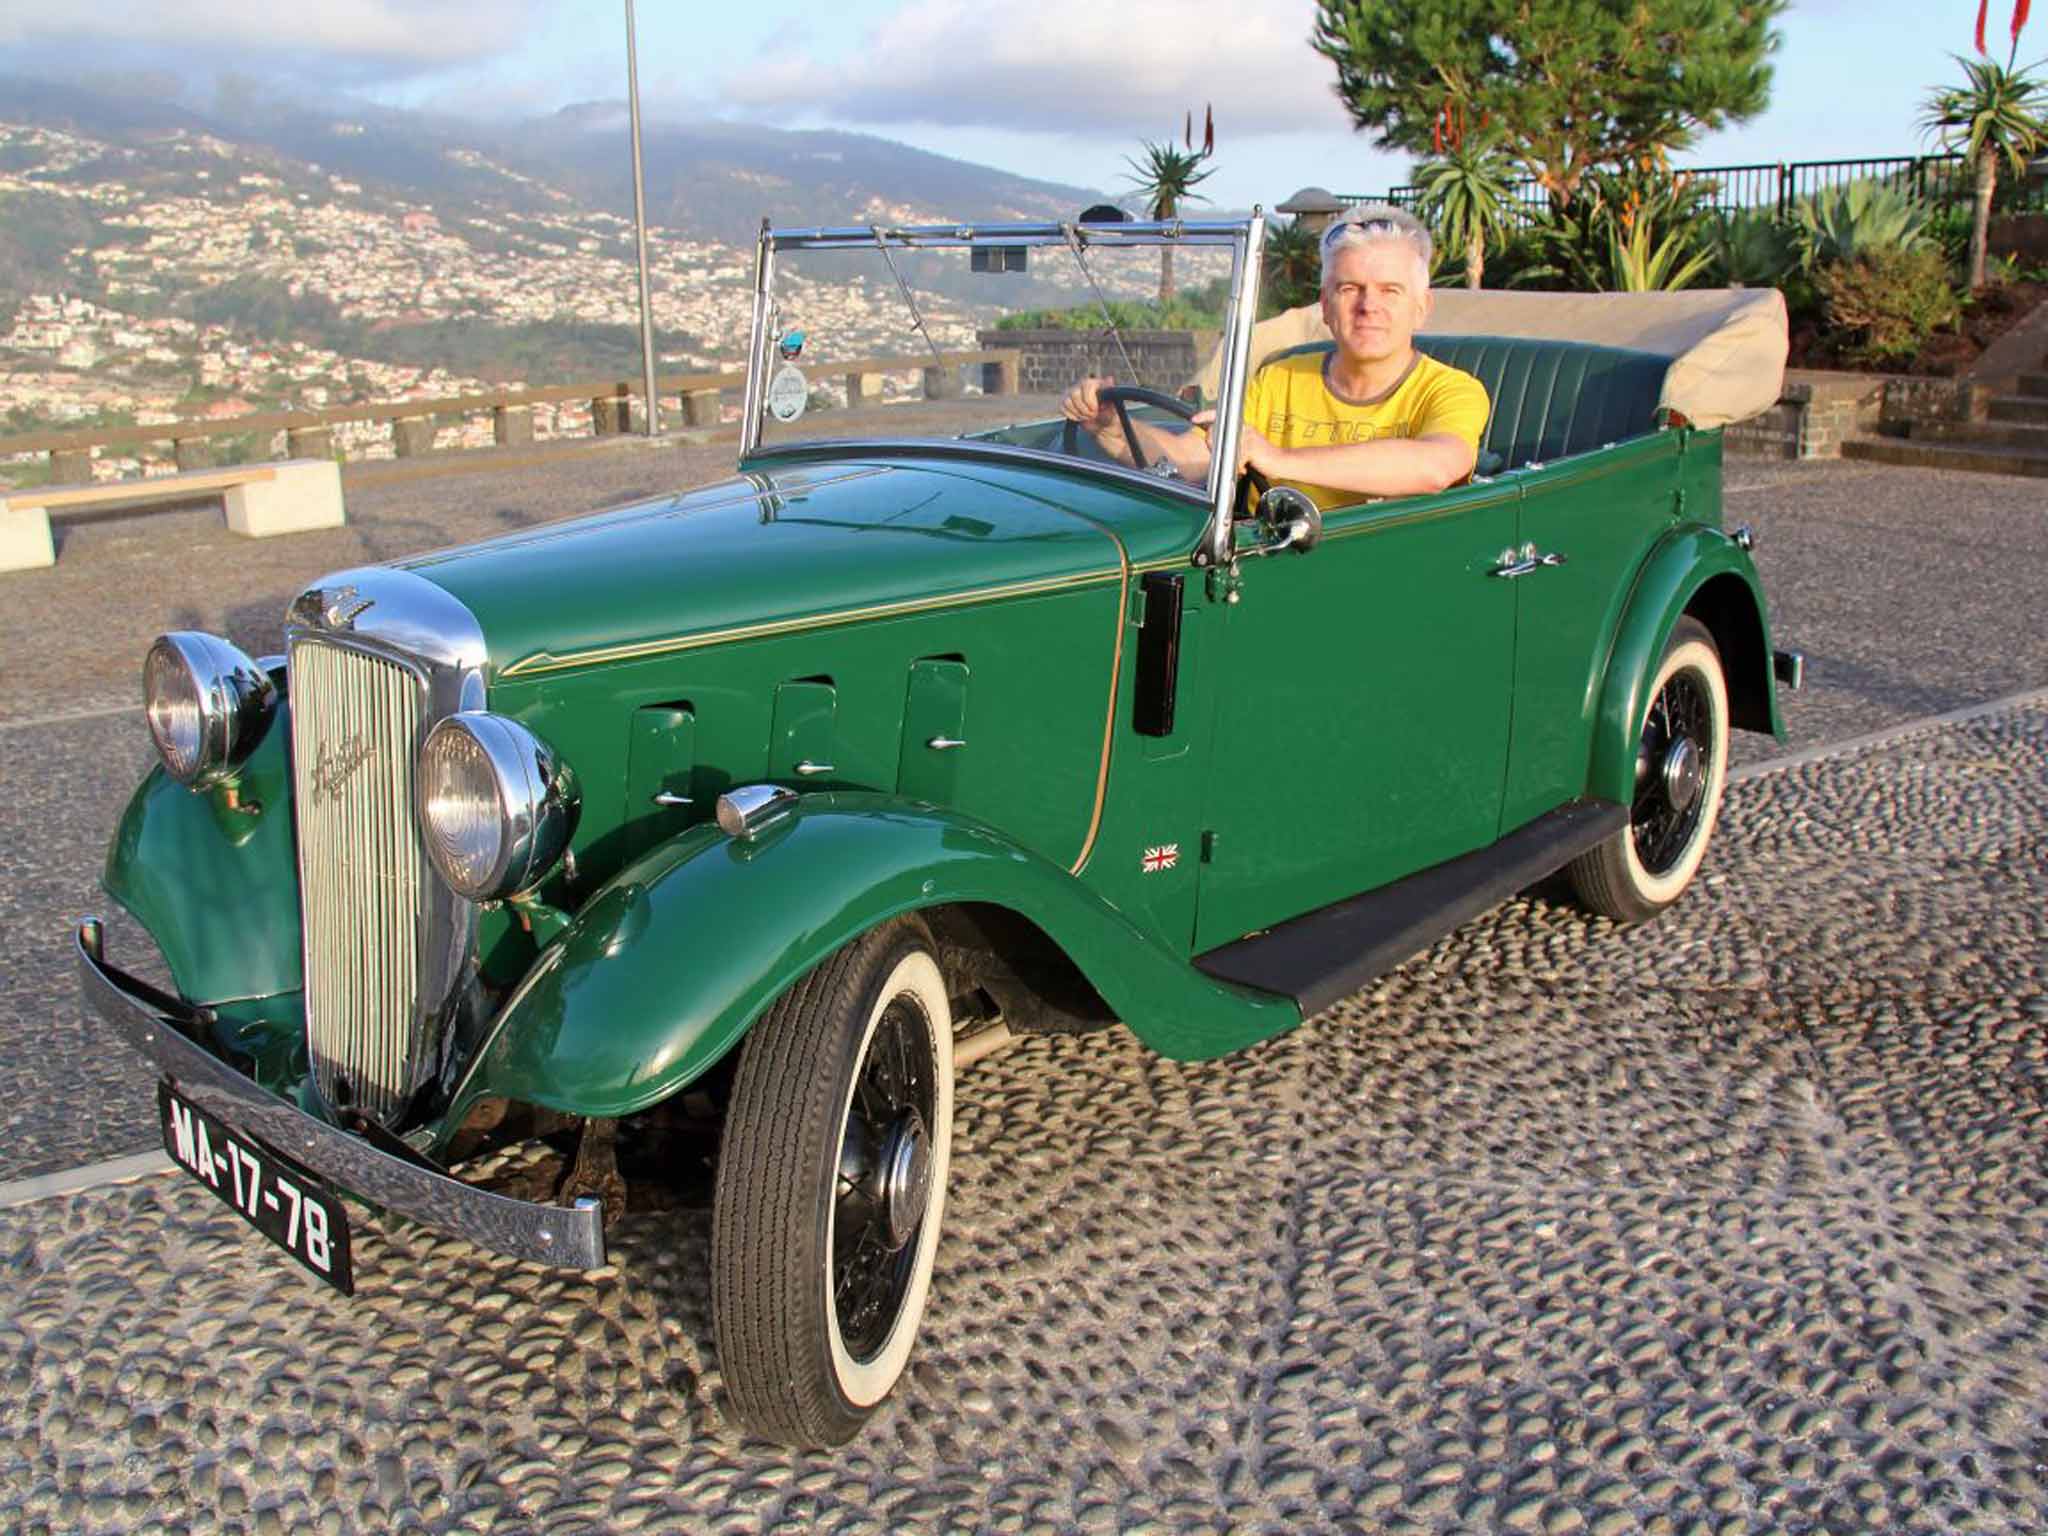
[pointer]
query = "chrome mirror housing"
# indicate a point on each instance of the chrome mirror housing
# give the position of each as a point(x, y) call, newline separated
point(207, 705)
point(1290, 519)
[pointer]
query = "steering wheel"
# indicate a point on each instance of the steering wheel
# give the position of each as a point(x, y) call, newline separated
point(1120, 395)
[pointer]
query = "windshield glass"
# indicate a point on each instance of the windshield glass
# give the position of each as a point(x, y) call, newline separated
point(925, 334)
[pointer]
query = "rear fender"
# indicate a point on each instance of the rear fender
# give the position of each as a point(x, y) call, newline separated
point(663, 971)
point(1703, 572)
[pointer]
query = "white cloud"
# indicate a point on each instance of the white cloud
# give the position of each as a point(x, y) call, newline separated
point(395, 36)
point(1129, 68)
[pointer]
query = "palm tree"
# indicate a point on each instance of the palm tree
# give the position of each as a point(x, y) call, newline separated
point(1290, 270)
point(1464, 193)
point(1998, 116)
point(1165, 179)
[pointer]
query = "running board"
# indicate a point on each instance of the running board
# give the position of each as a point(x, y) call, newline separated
point(1331, 952)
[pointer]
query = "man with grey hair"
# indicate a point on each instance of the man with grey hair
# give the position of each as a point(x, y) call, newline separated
point(1369, 416)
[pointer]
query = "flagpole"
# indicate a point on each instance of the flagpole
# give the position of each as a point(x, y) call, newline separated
point(640, 230)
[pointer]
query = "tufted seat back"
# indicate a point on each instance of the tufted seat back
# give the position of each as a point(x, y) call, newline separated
point(1550, 398)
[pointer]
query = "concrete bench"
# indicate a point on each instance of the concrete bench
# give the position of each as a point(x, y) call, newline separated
point(259, 499)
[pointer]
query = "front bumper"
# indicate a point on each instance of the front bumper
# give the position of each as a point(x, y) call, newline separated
point(160, 1028)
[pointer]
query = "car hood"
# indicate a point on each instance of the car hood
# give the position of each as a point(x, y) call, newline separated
point(789, 546)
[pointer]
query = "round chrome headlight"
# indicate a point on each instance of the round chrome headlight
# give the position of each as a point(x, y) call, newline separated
point(496, 806)
point(208, 706)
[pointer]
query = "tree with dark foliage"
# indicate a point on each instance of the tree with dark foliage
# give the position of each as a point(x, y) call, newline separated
point(1568, 85)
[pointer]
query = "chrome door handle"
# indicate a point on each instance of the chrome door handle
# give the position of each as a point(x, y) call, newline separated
point(811, 770)
point(945, 743)
point(666, 797)
point(1521, 562)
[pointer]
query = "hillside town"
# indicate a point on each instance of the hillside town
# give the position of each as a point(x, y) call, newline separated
point(113, 348)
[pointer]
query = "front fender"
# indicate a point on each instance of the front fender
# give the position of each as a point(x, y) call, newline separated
point(1700, 570)
point(665, 969)
point(216, 885)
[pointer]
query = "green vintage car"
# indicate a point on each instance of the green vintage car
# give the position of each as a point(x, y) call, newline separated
point(773, 800)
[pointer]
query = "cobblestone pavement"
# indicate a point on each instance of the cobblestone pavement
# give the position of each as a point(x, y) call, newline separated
point(1736, 1222)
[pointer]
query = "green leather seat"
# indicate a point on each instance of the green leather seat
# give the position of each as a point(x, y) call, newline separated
point(1550, 398)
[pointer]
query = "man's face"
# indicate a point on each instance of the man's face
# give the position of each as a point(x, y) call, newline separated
point(1373, 300)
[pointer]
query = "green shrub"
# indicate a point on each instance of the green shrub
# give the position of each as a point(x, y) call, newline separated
point(1201, 309)
point(1889, 300)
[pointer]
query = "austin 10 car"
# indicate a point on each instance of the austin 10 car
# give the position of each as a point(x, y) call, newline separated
point(771, 802)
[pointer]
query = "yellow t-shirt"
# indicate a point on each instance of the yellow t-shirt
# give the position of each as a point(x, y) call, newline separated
point(1291, 402)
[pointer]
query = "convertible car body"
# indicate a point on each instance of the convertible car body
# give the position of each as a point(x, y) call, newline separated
point(774, 791)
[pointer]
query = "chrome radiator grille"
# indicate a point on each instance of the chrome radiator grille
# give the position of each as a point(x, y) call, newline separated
point(365, 886)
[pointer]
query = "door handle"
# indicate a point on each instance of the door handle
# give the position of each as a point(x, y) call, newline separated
point(946, 743)
point(1521, 562)
point(669, 797)
point(811, 770)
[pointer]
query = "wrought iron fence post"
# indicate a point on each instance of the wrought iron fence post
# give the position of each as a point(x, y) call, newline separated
point(1784, 191)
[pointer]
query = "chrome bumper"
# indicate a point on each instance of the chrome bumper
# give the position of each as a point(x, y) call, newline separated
point(571, 1238)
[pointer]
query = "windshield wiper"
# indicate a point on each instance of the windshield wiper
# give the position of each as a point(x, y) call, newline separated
point(1073, 235)
point(916, 319)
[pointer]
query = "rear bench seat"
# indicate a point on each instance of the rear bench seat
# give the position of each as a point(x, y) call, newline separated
point(1550, 398)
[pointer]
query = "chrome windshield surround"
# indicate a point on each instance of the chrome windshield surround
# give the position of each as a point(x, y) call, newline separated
point(1245, 238)
point(405, 628)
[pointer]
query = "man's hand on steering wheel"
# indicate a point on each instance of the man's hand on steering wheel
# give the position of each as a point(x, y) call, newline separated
point(1095, 402)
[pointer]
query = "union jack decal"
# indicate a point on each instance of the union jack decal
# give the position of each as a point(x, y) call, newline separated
point(1162, 856)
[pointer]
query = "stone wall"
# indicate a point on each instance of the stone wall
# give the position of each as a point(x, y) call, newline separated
point(1051, 360)
point(1814, 415)
point(1909, 400)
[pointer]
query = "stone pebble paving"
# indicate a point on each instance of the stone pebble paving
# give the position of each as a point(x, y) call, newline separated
point(1737, 1222)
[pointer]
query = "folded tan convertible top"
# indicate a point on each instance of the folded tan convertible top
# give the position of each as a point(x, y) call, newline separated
point(1726, 345)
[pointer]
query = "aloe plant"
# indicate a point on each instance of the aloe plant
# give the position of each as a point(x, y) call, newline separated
point(1999, 117)
point(1754, 249)
point(1165, 179)
point(1465, 196)
point(1856, 218)
point(1642, 261)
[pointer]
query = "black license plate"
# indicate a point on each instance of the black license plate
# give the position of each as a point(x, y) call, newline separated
point(278, 1198)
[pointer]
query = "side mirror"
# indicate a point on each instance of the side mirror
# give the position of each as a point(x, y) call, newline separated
point(1290, 519)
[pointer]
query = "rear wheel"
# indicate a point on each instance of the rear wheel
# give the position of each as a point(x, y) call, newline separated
point(831, 1184)
point(1681, 771)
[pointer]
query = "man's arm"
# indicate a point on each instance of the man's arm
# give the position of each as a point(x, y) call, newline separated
point(1389, 466)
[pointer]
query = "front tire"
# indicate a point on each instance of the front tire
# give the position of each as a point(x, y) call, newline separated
point(1681, 771)
point(831, 1186)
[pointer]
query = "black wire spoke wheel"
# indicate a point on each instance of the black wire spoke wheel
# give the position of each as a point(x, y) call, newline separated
point(884, 1171)
point(1676, 756)
point(1681, 770)
point(831, 1188)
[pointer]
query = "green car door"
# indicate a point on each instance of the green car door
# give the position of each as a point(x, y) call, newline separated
point(1586, 525)
point(1363, 712)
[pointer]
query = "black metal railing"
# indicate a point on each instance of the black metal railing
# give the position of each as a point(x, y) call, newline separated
point(1776, 186)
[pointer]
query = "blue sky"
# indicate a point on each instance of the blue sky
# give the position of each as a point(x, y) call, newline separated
point(1061, 89)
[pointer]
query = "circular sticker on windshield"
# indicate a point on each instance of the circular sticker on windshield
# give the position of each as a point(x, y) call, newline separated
point(788, 393)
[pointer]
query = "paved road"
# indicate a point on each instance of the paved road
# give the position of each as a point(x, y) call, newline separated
point(1734, 1223)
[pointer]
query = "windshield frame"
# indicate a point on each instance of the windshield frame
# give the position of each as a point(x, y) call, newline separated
point(1244, 238)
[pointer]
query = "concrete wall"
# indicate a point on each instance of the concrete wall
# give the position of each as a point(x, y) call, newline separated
point(1051, 360)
